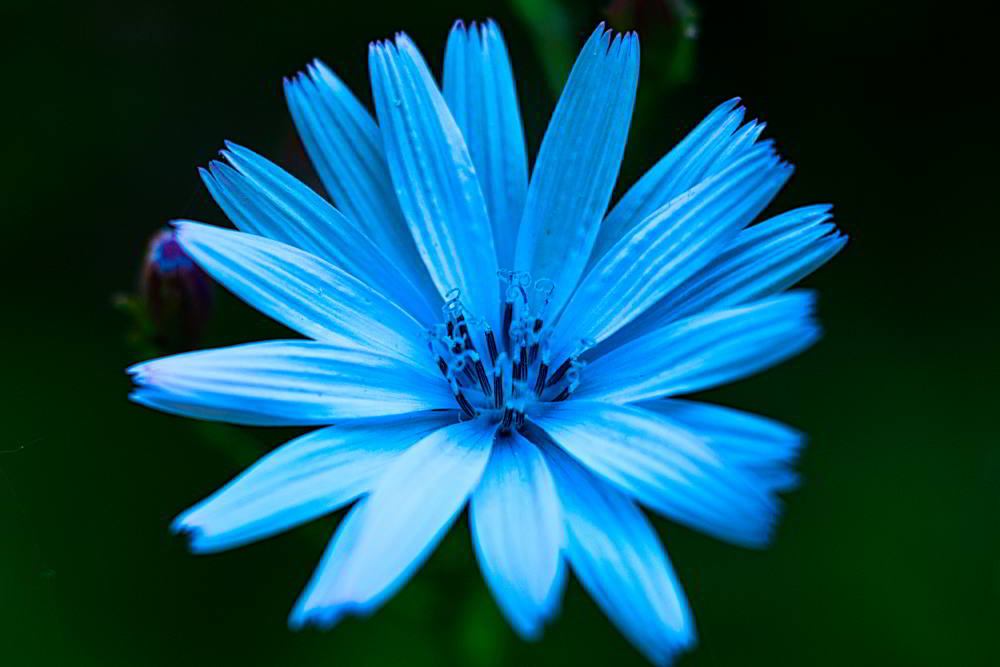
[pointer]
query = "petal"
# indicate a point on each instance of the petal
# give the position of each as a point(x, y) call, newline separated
point(390, 533)
point(762, 260)
point(518, 533)
point(663, 466)
point(305, 293)
point(261, 198)
point(434, 177)
point(618, 558)
point(659, 254)
point(480, 91)
point(304, 479)
point(344, 143)
point(703, 351)
point(686, 165)
point(285, 383)
point(578, 163)
point(759, 445)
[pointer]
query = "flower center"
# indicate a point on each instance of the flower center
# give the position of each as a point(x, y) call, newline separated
point(515, 370)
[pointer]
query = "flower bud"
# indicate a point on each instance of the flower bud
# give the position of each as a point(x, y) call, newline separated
point(177, 292)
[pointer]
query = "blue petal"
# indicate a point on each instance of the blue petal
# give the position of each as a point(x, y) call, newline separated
point(286, 382)
point(434, 177)
point(663, 466)
point(344, 143)
point(759, 445)
point(479, 88)
point(578, 163)
point(261, 198)
point(304, 479)
point(617, 556)
point(390, 533)
point(305, 293)
point(762, 260)
point(658, 255)
point(517, 529)
point(703, 351)
point(692, 160)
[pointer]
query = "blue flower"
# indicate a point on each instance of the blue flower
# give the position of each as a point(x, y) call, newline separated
point(473, 335)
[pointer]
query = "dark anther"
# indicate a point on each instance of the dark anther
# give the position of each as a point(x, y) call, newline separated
point(463, 326)
point(443, 366)
point(491, 346)
point(508, 316)
point(563, 395)
point(484, 381)
point(524, 363)
point(471, 374)
point(451, 328)
point(533, 351)
point(560, 372)
point(463, 403)
point(498, 388)
point(508, 416)
point(519, 420)
point(519, 369)
point(543, 371)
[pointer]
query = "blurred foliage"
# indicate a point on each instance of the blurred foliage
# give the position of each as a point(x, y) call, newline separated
point(888, 554)
point(668, 29)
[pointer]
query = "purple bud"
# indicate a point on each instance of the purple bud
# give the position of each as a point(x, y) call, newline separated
point(177, 292)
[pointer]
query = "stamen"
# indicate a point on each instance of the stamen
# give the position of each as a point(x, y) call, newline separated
point(484, 381)
point(505, 421)
point(461, 365)
point(463, 330)
point(523, 350)
point(560, 372)
point(491, 345)
point(543, 371)
point(498, 392)
point(463, 403)
point(520, 366)
point(508, 316)
point(535, 338)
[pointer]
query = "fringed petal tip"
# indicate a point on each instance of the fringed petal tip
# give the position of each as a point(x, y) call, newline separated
point(140, 397)
point(197, 537)
point(608, 36)
point(323, 618)
point(399, 41)
point(481, 29)
point(138, 373)
point(186, 228)
point(313, 71)
point(192, 534)
point(190, 233)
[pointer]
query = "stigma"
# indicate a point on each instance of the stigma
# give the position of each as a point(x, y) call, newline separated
point(501, 375)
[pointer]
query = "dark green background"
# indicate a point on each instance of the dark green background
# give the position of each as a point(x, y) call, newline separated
point(889, 553)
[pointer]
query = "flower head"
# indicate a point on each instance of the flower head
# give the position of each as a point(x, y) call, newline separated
point(473, 335)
